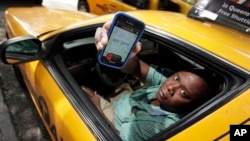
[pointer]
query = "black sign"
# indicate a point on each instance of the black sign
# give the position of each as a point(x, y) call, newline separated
point(232, 13)
point(239, 132)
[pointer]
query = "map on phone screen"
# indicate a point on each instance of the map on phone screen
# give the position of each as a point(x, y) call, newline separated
point(119, 45)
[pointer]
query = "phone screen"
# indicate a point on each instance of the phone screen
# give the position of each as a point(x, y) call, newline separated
point(123, 36)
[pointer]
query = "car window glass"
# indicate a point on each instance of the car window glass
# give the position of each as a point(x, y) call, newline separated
point(143, 4)
point(190, 1)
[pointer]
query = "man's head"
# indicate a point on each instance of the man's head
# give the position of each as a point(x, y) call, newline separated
point(185, 88)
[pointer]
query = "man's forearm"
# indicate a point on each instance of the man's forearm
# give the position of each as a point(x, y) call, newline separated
point(142, 70)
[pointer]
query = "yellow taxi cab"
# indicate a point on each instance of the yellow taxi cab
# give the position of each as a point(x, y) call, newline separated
point(110, 6)
point(101, 7)
point(54, 58)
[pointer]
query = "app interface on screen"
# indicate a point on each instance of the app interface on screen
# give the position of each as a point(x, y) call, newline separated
point(120, 43)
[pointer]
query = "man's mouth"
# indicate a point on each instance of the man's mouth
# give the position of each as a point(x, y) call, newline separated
point(162, 95)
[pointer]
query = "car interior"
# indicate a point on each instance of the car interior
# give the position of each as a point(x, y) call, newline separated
point(80, 58)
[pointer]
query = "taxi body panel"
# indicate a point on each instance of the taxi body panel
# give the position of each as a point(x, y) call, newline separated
point(55, 110)
point(64, 118)
point(224, 116)
point(40, 20)
point(101, 7)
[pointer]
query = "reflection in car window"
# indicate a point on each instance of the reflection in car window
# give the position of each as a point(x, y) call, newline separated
point(78, 42)
point(190, 1)
point(143, 4)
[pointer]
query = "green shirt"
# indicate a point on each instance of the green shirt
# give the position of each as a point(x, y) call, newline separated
point(135, 118)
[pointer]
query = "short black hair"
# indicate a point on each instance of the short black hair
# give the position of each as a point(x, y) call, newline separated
point(211, 78)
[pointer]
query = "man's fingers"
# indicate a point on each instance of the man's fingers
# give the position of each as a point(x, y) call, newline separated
point(98, 37)
point(88, 91)
point(137, 47)
point(101, 38)
point(107, 25)
point(104, 36)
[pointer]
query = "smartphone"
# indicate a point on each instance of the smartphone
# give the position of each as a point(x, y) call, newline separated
point(124, 33)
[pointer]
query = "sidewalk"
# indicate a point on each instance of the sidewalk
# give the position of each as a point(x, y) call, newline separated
point(7, 132)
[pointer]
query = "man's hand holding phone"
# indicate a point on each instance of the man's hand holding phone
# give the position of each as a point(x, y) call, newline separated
point(118, 43)
point(101, 36)
point(101, 40)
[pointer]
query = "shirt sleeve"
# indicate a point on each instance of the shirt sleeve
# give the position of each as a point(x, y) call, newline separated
point(157, 75)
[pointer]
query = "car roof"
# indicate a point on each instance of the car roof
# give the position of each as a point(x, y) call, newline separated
point(38, 20)
point(227, 43)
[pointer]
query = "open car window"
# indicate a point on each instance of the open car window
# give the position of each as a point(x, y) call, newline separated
point(78, 55)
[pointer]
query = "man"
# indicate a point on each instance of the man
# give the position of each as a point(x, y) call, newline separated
point(147, 111)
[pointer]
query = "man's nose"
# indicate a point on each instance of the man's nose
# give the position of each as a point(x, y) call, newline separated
point(172, 88)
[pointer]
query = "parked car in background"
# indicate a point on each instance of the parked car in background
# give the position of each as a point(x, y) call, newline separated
point(53, 54)
point(110, 6)
point(101, 7)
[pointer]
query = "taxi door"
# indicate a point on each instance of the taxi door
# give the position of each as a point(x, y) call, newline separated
point(101, 7)
point(98, 7)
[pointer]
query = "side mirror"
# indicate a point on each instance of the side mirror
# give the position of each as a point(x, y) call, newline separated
point(20, 50)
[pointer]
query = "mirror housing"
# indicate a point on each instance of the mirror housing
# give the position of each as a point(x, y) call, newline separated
point(20, 50)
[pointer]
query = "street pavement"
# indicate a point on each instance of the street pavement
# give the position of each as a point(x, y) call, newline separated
point(7, 132)
point(7, 129)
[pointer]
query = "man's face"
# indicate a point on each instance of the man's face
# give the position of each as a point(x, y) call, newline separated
point(181, 89)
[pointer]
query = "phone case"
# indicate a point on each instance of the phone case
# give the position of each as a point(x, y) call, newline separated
point(123, 58)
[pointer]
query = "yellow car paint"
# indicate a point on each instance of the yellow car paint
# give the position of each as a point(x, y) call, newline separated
point(40, 20)
point(57, 106)
point(101, 7)
point(211, 37)
point(216, 125)
point(230, 45)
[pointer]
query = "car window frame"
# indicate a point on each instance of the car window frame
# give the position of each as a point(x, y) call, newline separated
point(135, 3)
point(178, 45)
point(231, 72)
